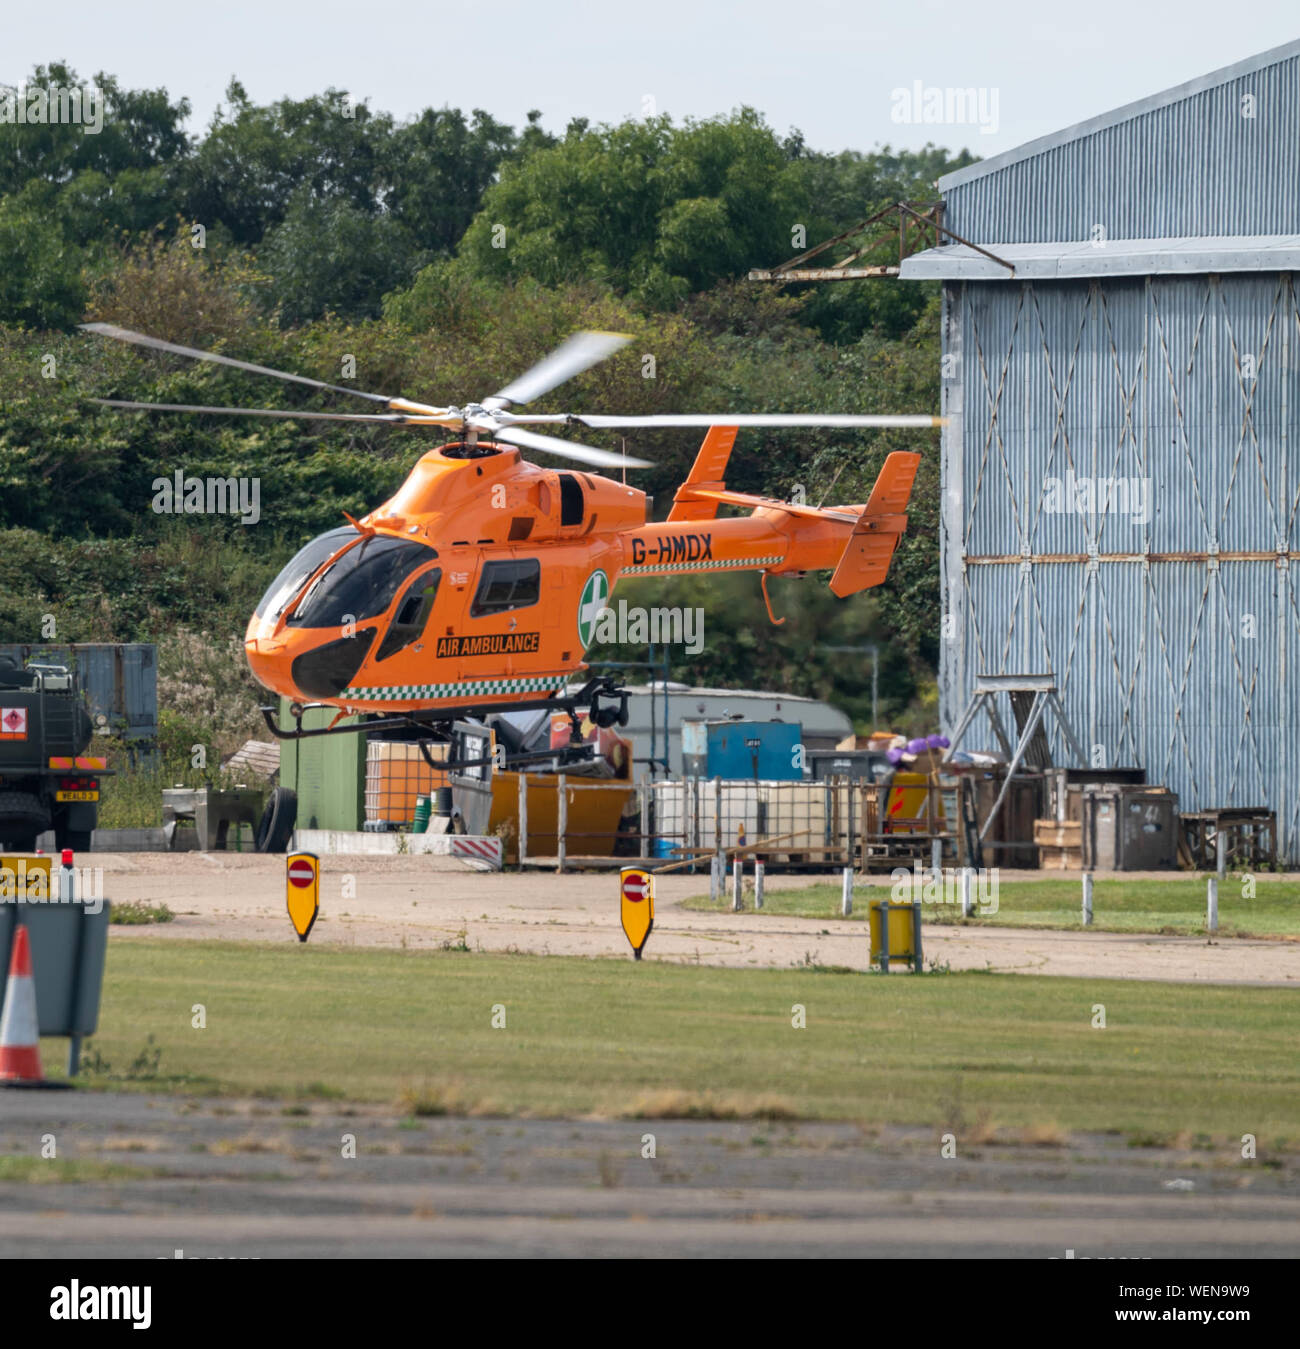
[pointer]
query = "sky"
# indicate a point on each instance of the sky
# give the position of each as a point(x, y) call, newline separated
point(843, 74)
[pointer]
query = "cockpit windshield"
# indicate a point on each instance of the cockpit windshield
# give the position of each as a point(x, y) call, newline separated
point(361, 583)
point(284, 589)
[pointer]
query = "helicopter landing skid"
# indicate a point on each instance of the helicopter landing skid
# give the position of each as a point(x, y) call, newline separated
point(605, 701)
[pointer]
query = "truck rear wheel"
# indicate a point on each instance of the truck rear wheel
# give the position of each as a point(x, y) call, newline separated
point(22, 817)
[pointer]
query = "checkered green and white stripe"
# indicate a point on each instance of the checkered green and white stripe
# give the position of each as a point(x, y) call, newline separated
point(728, 564)
point(469, 688)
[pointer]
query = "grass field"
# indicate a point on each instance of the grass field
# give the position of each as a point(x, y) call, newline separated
point(1173, 906)
point(968, 1052)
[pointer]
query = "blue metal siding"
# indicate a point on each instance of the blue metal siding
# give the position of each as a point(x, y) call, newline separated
point(1192, 165)
point(1176, 641)
point(119, 680)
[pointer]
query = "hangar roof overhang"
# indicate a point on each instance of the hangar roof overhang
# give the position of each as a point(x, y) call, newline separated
point(1068, 260)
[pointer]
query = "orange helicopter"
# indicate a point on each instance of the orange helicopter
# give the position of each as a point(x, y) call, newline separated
point(477, 587)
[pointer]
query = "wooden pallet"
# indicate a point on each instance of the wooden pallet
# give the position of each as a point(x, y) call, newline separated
point(1060, 834)
point(1060, 859)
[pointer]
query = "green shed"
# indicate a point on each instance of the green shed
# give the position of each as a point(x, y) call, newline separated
point(328, 773)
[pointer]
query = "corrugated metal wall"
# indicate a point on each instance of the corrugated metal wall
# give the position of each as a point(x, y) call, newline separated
point(120, 681)
point(1176, 639)
point(1194, 166)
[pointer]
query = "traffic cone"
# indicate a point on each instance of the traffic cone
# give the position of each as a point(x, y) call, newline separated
point(20, 1046)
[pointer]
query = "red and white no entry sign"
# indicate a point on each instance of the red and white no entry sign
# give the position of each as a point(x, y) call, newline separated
point(635, 887)
point(302, 873)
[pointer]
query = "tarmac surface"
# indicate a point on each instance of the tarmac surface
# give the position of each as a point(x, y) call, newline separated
point(240, 1179)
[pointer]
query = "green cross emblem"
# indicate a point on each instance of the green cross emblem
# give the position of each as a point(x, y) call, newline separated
point(594, 595)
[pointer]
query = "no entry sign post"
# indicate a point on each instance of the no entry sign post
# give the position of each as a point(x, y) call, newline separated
point(637, 906)
point(302, 886)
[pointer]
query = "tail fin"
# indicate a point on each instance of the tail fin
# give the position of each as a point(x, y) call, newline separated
point(709, 470)
point(870, 549)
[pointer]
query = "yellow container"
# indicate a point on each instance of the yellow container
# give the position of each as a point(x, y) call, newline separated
point(903, 932)
point(595, 807)
point(397, 776)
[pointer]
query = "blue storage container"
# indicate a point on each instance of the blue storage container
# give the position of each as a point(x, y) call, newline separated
point(764, 751)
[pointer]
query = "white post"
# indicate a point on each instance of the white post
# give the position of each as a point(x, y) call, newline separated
point(718, 860)
point(713, 876)
point(1220, 852)
point(562, 818)
point(758, 884)
point(523, 818)
point(846, 892)
point(936, 859)
point(965, 892)
point(1087, 899)
point(737, 882)
point(1212, 904)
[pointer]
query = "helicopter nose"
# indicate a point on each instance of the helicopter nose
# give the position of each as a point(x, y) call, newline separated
point(266, 660)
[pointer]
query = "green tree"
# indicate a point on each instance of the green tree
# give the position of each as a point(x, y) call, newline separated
point(330, 255)
point(440, 166)
point(41, 284)
point(141, 129)
point(253, 160)
point(648, 208)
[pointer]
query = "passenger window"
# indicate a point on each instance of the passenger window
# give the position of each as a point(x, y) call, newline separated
point(507, 585)
point(412, 614)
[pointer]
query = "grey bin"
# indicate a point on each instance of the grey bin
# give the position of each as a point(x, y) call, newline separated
point(1127, 828)
point(68, 946)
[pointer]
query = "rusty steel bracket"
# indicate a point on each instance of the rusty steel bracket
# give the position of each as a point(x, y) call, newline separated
point(915, 221)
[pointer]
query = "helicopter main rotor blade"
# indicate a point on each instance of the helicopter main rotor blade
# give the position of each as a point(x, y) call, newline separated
point(599, 421)
point(580, 352)
point(566, 449)
point(157, 344)
point(393, 418)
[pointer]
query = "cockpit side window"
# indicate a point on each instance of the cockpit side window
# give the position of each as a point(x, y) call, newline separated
point(413, 611)
point(507, 585)
point(300, 569)
point(360, 584)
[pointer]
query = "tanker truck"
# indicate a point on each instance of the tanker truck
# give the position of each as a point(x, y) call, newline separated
point(47, 781)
